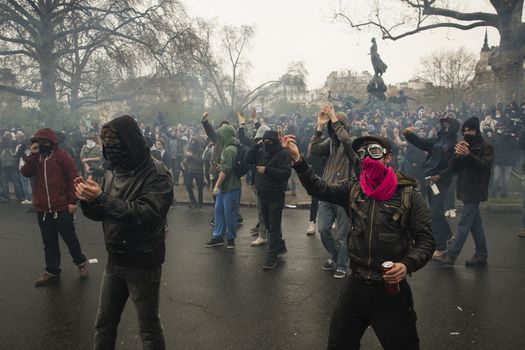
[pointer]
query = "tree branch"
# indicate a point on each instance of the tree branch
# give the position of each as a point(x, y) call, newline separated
point(20, 91)
point(489, 18)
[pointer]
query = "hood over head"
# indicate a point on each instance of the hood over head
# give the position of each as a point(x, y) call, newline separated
point(260, 132)
point(452, 131)
point(129, 134)
point(471, 123)
point(47, 134)
point(226, 135)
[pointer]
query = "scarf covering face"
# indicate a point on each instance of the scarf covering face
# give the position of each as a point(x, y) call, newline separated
point(378, 181)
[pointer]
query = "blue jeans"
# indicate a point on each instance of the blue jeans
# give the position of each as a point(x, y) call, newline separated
point(337, 248)
point(470, 221)
point(440, 227)
point(26, 187)
point(12, 175)
point(500, 182)
point(142, 286)
point(226, 211)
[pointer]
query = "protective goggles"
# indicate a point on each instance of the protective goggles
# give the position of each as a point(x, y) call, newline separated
point(374, 150)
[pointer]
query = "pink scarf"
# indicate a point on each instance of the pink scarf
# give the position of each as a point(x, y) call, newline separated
point(378, 181)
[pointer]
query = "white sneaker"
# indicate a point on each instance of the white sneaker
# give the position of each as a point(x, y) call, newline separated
point(334, 226)
point(453, 213)
point(258, 242)
point(447, 214)
point(311, 228)
point(25, 201)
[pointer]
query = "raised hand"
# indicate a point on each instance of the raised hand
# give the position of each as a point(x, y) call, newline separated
point(288, 143)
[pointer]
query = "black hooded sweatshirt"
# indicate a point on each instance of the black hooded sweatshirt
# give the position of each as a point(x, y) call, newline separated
point(439, 150)
point(134, 203)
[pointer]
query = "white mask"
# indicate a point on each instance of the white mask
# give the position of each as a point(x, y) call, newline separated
point(90, 143)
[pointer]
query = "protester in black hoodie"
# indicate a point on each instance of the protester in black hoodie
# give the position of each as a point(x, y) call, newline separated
point(132, 205)
point(472, 162)
point(272, 173)
point(439, 151)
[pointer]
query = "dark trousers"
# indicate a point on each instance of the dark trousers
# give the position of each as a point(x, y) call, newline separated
point(176, 169)
point(51, 225)
point(440, 227)
point(314, 205)
point(469, 222)
point(391, 316)
point(143, 287)
point(272, 205)
point(199, 180)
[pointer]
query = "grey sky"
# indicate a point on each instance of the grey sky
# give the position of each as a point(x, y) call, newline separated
point(302, 30)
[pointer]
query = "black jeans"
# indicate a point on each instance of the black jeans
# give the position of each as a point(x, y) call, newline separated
point(51, 225)
point(272, 205)
point(391, 316)
point(440, 227)
point(314, 205)
point(143, 287)
point(199, 180)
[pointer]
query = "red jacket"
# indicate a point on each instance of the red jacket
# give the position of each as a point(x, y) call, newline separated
point(54, 174)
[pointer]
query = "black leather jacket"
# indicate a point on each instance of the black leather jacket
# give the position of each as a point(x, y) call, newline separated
point(378, 237)
point(133, 210)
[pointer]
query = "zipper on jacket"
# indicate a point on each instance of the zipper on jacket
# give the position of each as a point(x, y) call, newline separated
point(370, 240)
point(45, 180)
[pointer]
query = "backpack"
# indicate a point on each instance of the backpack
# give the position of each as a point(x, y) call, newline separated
point(241, 167)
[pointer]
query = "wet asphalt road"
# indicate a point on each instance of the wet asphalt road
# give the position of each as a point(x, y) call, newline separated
point(222, 299)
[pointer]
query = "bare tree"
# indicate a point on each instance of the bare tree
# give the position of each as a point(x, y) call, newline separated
point(452, 69)
point(396, 19)
point(222, 76)
point(57, 40)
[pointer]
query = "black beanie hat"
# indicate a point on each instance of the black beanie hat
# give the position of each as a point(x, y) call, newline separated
point(471, 123)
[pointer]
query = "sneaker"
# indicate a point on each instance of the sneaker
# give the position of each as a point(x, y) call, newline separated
point(212, 222)
point(282, 253)
point(447, 214)
point(83, 270)
point(445, 259)
point(438, 253)
point(192, 205)
point(339, 274)
point(270, 263)
point(476, 260)
point(329, 265)
point(198, 206)
point(214, 242)
point(46, 279)
point(230, 244)
point(255, 230)
point(334, 226)
point(522, 233)
point(25, 202)
point(258, 242)
point(453, 213)
point(310, 231)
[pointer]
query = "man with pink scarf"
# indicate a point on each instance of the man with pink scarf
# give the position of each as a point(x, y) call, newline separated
point(382, 229)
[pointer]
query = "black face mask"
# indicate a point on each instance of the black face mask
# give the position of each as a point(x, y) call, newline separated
point(118, 156)
point(470, 138)
point(45, 149)
point(271, 148)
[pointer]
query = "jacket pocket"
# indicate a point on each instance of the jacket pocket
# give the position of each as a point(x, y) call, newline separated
point(390, 246)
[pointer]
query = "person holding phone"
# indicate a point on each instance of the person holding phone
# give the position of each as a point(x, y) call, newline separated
point(54, 201)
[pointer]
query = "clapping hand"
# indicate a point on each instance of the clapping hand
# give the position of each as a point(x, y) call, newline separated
point(87, 190)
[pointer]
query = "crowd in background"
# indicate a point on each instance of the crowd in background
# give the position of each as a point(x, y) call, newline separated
point(186, 149)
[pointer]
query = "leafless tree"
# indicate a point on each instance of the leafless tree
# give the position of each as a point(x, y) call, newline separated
point(222, 76)
point(452, 69)
point(396, 19)
point(61, 42)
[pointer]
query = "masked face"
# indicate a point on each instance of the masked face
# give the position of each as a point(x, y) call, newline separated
point(44, 146)
point(270, 147)
point(116, 152)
